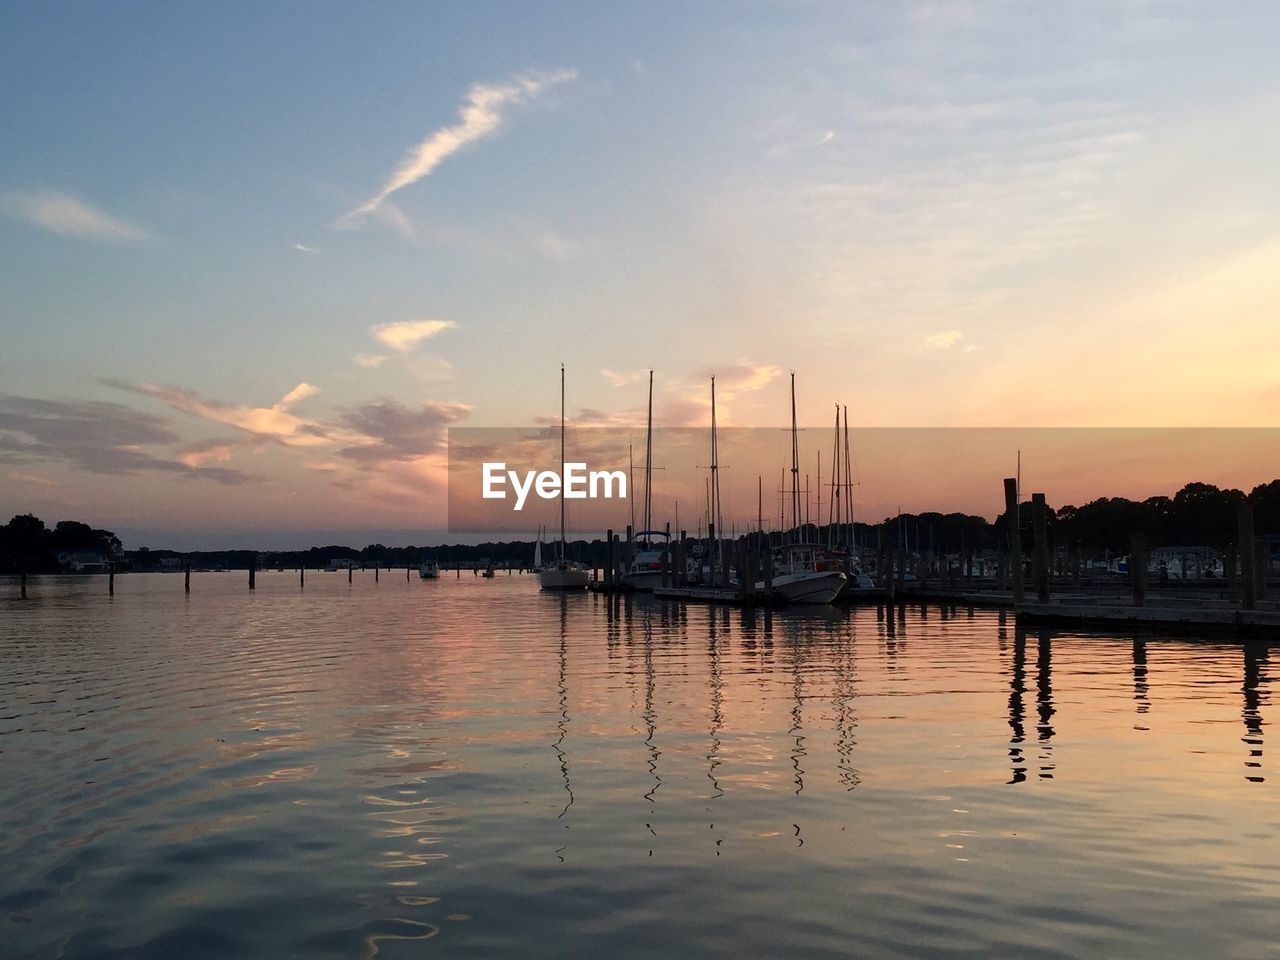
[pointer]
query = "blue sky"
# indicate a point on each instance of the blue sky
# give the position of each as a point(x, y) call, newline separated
point(938, 213)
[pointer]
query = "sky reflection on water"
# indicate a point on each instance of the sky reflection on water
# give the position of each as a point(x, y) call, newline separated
point(472, 768)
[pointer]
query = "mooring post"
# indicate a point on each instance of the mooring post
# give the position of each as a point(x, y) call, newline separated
point(24, 578)
point(1039, 522)
point(186, 577)
point(408, 571)
point(302, 576)
point(608, 557)
point(350, 570)
point(253, 574)
point(1246, 551)
point(1015, 537)
point(111, 578)
point(1138, 569)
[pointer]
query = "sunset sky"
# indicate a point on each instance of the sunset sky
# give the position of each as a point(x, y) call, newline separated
point(257, 258)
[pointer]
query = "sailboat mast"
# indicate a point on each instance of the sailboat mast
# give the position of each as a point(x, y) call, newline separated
point(562, 543)
point(848, 479)
point(795, 461)
point(648, 462)
point(714, 515)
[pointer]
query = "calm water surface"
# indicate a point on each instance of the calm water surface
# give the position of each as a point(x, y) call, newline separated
point(468, 768)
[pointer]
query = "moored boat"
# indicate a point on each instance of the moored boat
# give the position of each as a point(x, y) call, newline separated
point(562, 573)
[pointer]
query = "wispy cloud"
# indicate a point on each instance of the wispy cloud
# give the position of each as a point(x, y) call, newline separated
point(275, 423)
point(480, 115)
point(200, 454)
point(67, 215)
point(943, 340)
point(744, 376)
point(369, 360)
point(96, 437)
point(303, 248)
point(390, 431)
point(623, 379)
point(407, 334)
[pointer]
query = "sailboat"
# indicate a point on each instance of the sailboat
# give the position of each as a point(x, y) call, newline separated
point(562, 573)
point(800, 573)
point(645, 570)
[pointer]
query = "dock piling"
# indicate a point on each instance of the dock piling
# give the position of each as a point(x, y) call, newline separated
point(1040, 557)
point(1138, 569)
point(1015, 537)
point(1246, 550)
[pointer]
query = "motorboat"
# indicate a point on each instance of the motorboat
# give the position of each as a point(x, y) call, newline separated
point(802, 575)
point(645, 570)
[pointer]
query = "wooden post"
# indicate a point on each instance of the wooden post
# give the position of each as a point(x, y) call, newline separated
point(375, 571)
point(608, 557)
point(111, 579)
point(186, 577)
point(24, 578)
point(1015, 537)
point(1040, 558)
point(682, 569)
point(1138, 569)
point(302, 576)
point(351, 567)
point(253, 574)
point(408, 572)
point(1246, 551)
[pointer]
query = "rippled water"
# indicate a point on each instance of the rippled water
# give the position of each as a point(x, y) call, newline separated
point(469, 768)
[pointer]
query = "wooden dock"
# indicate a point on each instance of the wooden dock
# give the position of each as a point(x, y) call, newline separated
point(718, 595)
point(1186, 617)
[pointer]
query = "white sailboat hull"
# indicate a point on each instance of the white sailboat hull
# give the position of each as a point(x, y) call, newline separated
point(808, 587)
point(563, 578)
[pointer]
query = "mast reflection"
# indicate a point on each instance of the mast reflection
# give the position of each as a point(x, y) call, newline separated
point(797, 709)
point(717, 706)
point(563, 724)
point(842, 699)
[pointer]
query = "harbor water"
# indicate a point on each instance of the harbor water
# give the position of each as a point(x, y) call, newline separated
point(471, 768)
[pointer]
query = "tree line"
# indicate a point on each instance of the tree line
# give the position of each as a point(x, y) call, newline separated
point(1199, 515)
